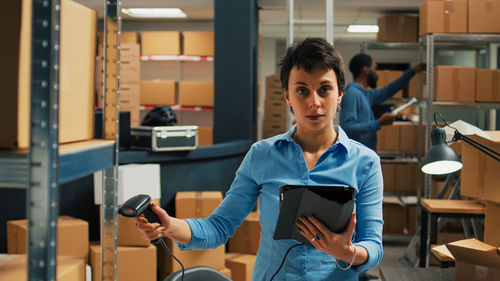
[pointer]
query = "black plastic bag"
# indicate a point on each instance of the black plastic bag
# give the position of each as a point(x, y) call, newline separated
point(160, 116)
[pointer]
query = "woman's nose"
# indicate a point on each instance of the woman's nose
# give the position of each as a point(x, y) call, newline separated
point(314, 100)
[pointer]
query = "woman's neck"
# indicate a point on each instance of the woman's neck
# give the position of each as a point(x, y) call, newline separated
point(317, 141)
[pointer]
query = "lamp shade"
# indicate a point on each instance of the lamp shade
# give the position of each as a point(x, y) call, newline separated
point(440, 159)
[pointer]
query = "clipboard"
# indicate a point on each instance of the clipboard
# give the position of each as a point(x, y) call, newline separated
point(332, 205)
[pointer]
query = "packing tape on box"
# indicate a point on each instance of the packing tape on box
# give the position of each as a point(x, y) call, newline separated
point(198, 204)
point(455, 83)
point(489, 6)
point(448, 10)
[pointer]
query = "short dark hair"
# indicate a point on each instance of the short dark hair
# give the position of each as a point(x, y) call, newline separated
point(312, 54)
point(358, 62)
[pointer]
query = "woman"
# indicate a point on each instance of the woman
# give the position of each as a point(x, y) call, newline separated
point(313, 152)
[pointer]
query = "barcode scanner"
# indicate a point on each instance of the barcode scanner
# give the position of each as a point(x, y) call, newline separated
point(141, 205)
point(137, 206)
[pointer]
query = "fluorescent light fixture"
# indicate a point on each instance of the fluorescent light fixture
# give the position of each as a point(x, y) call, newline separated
point(362, 28)
point(154, 12)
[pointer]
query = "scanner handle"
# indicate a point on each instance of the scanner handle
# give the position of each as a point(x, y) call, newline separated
point(152, 218)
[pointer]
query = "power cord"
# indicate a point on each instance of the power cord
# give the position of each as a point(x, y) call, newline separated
point(284, 258)
point(165, 247)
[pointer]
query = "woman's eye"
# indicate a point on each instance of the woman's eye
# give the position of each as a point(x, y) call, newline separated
point(324, 90)
point(302, 91)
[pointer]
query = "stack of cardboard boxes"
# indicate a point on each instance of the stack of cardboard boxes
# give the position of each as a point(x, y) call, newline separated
point(185, 91)
point(243, 247)
point(193, 205)
point(76, 78)
point(275, 108)
point(129, 75)
point(460, 16)
point(132, 248)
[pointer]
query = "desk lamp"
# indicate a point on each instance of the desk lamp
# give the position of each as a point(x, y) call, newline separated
point(442, 159)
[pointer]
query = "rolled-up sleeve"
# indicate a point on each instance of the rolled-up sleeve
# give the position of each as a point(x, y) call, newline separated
point(369, 216)
point(221, 224)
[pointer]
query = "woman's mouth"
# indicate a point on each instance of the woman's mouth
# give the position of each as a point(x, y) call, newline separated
point(314, 116)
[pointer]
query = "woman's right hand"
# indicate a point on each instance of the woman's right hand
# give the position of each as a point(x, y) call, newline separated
point(153, 231)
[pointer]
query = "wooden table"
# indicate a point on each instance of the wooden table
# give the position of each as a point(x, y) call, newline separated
point(433, 209)
point(400, 273)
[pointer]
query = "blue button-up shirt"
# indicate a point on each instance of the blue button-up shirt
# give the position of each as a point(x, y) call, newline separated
point(356, 116)
point(279, 160)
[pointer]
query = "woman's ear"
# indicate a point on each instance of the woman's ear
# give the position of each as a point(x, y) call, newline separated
point(286, 97)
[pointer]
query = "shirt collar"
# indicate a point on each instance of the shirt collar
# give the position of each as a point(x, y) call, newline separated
point(342, 139)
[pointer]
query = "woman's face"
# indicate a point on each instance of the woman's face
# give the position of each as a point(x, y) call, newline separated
point(313, 97)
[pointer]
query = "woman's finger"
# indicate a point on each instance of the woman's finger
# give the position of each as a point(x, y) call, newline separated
point(352, 225)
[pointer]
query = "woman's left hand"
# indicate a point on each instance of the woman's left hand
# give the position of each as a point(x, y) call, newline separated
point(338, 245)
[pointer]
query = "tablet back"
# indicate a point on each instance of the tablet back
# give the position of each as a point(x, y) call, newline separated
point(332, 205)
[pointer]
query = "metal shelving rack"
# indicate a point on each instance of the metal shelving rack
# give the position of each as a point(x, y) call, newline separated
point(43, 167)
point(432, 42)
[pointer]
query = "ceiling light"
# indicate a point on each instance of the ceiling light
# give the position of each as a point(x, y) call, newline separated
point(154, 12)
point(363, 28)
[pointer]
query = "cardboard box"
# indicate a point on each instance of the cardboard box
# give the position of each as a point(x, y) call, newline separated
point(213, 258)
point(414, 86)
point(196, 204)
point(205, 135)
point(411, 136)
point(491, 225)
point(157, 92)
point(484, 16)
point(196, 93)
point(72, 237)
point(132, 263)
point(14, 267)
point(198, 43)
point(388, 138)
point(394, 214)
point(480, 173)
point(488, 84)
point(129, 101)
point(443, 17)
point(129, 37)
point(133, 179)
point(128, 234)
point(397, 28)
point(389, 175)
point(454, 83)
point(407, 177)
point(226, 272)
point(246, 239)
point(203, 117)
point(76, 76)
point(274, 127)
point(386, 77)
point(241, 267)
point(160, 43)
point(275, 110)
point(475, 260)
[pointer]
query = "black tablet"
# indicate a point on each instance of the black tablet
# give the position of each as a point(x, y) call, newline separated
point(330, 204)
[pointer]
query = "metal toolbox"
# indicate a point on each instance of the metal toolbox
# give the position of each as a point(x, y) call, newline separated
point(164, 138)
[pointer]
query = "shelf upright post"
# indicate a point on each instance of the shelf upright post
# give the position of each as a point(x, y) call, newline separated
point(43, 187)
point(429, 59)
point(329, 22)
point(109, 211)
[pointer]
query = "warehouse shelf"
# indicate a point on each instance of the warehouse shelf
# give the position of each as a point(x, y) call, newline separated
point(397, 158)
point(219, 150)
point(180, 108)
point(460, 41)
point(389, 46)
point(177, 58)
point(470, 105)
point(75, 160)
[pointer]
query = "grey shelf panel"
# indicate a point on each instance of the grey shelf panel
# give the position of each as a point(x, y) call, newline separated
point(462, 41)
point(399, 160)
point(476, 105)
point(220, 150)
point(75, 160)
point(402, 46)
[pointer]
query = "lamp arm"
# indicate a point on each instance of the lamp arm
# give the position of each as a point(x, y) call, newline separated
point(490, 152)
